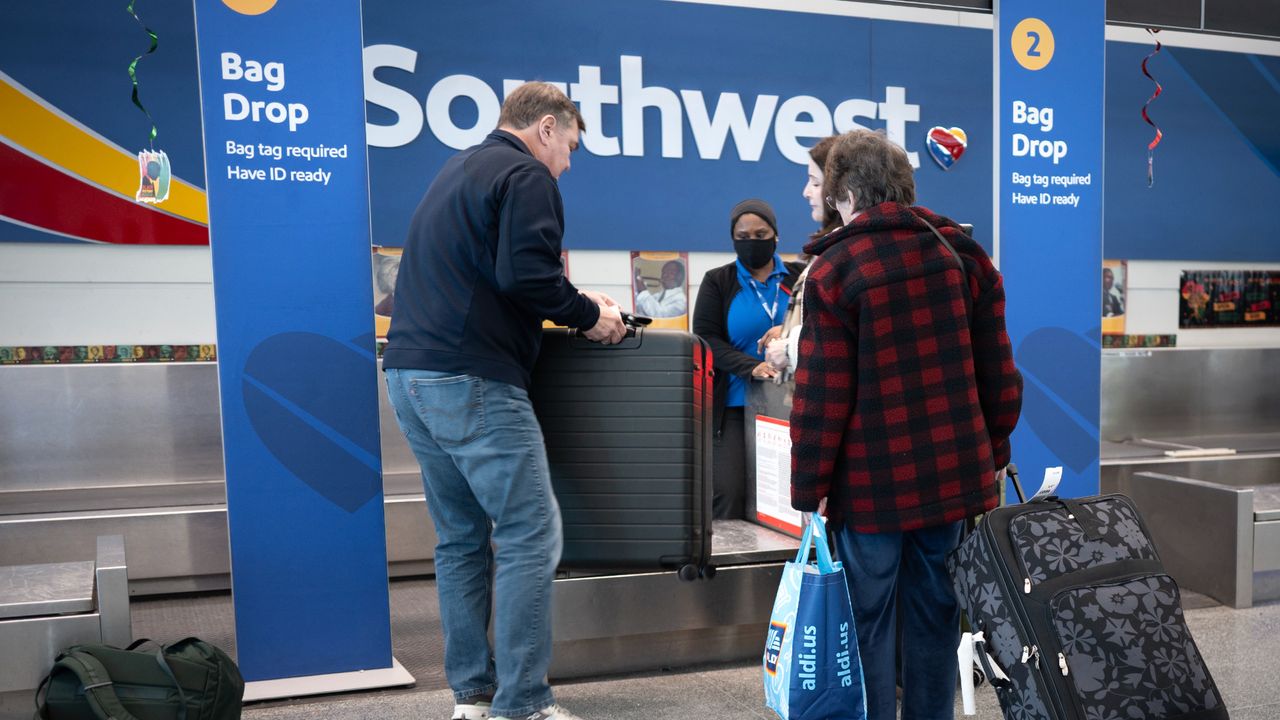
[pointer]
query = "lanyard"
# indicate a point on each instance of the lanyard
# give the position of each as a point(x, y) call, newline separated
point(771, 311)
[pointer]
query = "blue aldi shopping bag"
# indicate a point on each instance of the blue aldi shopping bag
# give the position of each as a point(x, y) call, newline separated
point(811, 665)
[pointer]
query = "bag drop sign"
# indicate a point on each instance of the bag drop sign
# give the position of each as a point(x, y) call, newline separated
point(238, 107)
point(297, 369)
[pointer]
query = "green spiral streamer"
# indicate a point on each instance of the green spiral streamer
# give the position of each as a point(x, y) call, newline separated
point(133, 70)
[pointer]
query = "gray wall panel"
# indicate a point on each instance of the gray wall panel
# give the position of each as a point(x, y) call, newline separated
point(1180, 393)
point(1166, 13)
point(1254, 17)
point(149, 434)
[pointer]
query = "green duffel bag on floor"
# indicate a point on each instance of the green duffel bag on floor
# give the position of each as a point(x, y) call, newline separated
point(187, 680)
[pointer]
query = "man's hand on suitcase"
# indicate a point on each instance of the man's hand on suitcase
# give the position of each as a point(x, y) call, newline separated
point(609, 329)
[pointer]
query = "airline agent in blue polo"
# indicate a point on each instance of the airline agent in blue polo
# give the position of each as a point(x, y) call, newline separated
point(737, 305)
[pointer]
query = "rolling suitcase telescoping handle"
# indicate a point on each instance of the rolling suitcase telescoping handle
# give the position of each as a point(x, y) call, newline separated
point(1011, 472)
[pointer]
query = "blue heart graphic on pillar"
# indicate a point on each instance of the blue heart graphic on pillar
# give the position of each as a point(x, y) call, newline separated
point(305, 400)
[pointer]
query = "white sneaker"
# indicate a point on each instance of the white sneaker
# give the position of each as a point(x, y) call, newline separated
point(476, 711)
point(554, 712)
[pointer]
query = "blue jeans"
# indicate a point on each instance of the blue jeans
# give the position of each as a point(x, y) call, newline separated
point(488, 489)
point(904, 573)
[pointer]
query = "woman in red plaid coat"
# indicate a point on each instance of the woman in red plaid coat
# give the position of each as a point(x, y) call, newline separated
point(906, 394)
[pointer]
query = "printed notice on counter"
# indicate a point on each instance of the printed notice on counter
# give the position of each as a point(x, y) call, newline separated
point(773, 476)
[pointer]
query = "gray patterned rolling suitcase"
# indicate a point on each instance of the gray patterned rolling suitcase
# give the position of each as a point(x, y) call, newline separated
point(1079, 618)
point(628, 434)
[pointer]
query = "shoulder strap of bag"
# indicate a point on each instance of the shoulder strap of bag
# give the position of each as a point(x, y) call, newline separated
point(182, 696)
point(140, 642)
point(42, 707)
point(97, 686)
point(964, 271)
point(798, 297)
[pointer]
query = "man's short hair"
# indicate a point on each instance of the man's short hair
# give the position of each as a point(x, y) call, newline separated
point(867, 166)
point(533, 101)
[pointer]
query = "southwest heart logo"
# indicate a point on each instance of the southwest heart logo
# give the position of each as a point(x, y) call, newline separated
point(946, 145)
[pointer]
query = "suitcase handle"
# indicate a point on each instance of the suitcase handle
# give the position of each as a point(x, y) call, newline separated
point(1084, 517)
point(578, 340)
point(995, 675)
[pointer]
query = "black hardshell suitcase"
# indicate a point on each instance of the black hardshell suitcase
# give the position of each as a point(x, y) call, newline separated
point(628, 434)
point(1079, 616)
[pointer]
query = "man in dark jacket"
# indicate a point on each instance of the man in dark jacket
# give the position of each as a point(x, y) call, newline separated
point(906, 394)
point(480, 271)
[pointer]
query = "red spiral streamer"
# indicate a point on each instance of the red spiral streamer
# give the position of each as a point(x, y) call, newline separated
point(1151, 146)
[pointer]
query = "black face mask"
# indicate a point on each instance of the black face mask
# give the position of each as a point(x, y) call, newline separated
point(755, 254)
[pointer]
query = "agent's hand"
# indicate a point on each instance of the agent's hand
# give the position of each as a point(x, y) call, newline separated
point(609, 329)
point(776, 354)
point(598, 298)
point(763, 371)
point(772, 334)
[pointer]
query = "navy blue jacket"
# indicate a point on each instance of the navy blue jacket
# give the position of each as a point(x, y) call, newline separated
point(481, 268)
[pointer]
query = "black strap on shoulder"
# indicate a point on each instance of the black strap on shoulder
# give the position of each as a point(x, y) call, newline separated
point(964, 271)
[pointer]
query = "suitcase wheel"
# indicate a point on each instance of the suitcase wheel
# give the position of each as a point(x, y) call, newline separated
point(708, 572)
point(688, 573)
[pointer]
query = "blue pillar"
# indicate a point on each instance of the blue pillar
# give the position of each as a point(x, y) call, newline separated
point(283, 105)
point(1048, 190)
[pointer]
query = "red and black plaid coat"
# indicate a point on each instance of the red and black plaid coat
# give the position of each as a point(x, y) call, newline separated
point(905, 393)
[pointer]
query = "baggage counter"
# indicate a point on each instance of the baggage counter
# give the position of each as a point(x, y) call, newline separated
point(609, 623)
point(135, 450)
point(1227, 548)
point(738, 542)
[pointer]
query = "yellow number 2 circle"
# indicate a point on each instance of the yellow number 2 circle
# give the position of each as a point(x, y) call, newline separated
point(250, 7)
point(1032, 44)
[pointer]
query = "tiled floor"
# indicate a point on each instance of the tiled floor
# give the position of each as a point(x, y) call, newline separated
point(1241, 647)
